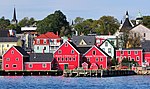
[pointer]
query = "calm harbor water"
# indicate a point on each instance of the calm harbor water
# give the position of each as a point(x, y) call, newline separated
point(47, 82)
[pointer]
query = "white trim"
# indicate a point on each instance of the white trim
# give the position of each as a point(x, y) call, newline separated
point(63, 63)
point(96, 48)
point(63, 44)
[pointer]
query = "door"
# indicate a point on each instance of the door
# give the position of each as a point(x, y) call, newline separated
point(66, 66)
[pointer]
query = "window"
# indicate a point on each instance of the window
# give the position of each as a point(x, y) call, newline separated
point(44, 41)
point(66, 59)
point(129, 58)
point(106, 44)
point(121, 52)
point(7, 45)
point(72, 51)
point(17, 59)
point(12, 52)
point(6, 65)
point(101, 66)
point(74, 58)
point(62, 59)
point(134, 34)
point(66, 45)
point(38, 41)
point(128, 52)
point(14, 65)
point(88, 59)
point(132, 59)
point(44, 48)
point(7, 59)
point(59, 51)
point(135, 52)
point(58, 59)
point(70, 59)
point(109, 50)
point(94, 52)
point(101, 59)
point(96, 59)
point(137, 58)
point(44, 65)
point(37, 47)
point(30, 65)
point(103, 49)
point(144, 34)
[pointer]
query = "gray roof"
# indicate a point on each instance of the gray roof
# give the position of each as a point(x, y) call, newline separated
point(22, 51)
point(8, 39)
point(41, 57)
point(126, 25)
point(89, 40)
point(146, 45)
point(4, 33)
point(83, 50)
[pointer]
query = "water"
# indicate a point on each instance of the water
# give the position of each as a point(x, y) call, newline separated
point(44, 82)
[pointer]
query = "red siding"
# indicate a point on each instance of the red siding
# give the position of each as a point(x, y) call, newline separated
point(41, 42)
point(132, 55)
point(37, 66)
point(66, 57)
point(12, 61)
point(98, 55)
point(147, 57)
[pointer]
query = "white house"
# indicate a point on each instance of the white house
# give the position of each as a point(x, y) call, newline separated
point(108, 47)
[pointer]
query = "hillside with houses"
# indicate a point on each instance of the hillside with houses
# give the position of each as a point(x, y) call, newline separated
point(127, 48)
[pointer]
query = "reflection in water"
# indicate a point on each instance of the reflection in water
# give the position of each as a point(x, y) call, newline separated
point(48, 82)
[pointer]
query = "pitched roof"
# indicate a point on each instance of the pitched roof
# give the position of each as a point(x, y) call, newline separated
point(40, 57)
point(83, 50)
point(4, 33)
point(89, 40)
point(141, 28)
point(127, 25)
point(42, 36)
point(146, 45)
point(51, 35)
point(74, 46)
point(107, 41)
point(8, 39)
point(21, 50)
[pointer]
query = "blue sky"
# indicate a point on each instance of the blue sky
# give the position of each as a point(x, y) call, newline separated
point(93, 9)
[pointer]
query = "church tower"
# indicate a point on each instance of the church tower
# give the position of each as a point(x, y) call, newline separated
point(139, 18)
point(14, 20)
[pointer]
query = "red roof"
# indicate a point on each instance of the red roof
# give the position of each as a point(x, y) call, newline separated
point(42, 36)
point(51, 35)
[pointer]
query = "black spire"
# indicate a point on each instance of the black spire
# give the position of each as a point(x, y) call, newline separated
point(14, 20)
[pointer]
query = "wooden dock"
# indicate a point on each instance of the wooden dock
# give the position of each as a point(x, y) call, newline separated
point(31, 73)
point(97, 73)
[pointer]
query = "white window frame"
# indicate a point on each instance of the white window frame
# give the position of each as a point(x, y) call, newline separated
point(44, 65)
point(30, 65)
point(14, 65)
point(59, 51)
point(44, 41)
point(38, 41)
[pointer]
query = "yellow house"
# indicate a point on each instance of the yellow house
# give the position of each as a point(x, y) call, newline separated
point(6, 43)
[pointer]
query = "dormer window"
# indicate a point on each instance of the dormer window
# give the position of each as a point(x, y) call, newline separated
point(44, 41)
point(38, 41)
point(106, 44)
point(44, 65)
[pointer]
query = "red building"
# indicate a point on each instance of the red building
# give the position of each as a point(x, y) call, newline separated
point(96, 58)
point(39, 62)
point(147, 58)
point(67, 56)
point(14, 58)
point(132, 54)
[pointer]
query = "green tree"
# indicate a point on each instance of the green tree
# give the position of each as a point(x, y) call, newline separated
point(53, 22)
point(26, 22)
point(4, 23)
point(108, 24)
point(146, 21)
point(114, 62)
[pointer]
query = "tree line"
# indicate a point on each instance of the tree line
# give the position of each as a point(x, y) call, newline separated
point(57, 22)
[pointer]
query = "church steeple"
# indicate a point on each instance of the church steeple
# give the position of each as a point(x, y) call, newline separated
point(14, 20)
